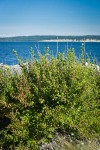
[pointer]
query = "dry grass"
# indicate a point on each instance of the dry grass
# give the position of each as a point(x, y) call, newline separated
point(61, 143)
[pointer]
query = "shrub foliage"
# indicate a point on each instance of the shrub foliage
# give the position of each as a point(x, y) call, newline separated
point(49, 94)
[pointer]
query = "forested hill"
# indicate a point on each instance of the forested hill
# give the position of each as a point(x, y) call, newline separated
point(47, 37)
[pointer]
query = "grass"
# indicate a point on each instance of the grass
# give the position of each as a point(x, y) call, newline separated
point(61, 142)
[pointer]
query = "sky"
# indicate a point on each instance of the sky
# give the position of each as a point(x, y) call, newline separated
point(49, 17)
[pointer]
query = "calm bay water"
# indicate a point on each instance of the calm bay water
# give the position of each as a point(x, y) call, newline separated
point(23, 49)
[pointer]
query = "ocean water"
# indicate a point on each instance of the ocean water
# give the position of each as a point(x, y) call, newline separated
point(24, 48)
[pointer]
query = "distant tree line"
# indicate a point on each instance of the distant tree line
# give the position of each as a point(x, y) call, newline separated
point(47, 37)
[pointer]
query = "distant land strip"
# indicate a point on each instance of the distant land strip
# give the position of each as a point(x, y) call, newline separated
point(70, 40)
point(51, 38)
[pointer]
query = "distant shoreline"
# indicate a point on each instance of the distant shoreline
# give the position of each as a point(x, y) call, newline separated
point(67, 40)
point(52, 38)
point(59, 40)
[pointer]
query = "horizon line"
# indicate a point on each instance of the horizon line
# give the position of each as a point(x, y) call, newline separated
point(8, 36)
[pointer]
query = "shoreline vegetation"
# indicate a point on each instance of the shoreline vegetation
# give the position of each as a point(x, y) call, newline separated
point(51, 38)
point(70, 40)
point(17, 68)
point(52, 104)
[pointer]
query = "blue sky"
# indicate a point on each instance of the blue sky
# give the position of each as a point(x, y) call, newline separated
point(49, 17)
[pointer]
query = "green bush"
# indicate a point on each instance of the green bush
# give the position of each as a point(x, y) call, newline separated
point(51, 94)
